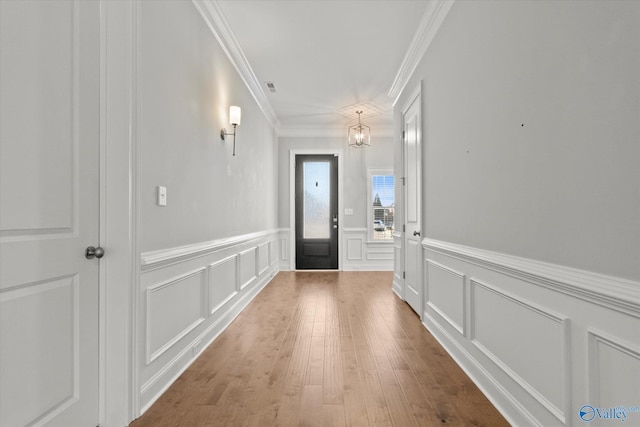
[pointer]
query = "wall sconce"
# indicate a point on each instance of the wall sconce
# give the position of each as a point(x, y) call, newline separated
point(234, 118)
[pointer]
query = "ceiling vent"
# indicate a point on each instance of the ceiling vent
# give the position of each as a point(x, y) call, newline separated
point(271, 86)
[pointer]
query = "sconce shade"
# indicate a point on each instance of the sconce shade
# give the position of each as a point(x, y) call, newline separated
point(359, 134)
point(234, 115)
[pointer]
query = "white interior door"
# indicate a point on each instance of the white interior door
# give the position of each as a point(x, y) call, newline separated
point(49, 212)
point(413, 291)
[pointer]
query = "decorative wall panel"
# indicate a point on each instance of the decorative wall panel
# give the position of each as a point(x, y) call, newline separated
point(446, 294)
point(183, 298)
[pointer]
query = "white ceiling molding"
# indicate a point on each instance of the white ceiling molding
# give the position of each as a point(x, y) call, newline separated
point(213, 16)
point(330, 132)
point(432, 19)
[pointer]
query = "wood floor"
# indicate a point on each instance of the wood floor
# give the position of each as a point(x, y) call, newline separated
point(324, 349)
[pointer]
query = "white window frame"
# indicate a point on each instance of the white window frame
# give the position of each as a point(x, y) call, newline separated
point(370, 173)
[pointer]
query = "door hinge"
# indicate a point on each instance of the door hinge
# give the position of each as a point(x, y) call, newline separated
point(403, 180)
point(404, 275)
point(403, 135)
point(404, 228)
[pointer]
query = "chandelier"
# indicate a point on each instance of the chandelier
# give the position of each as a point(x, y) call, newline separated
point(359, 134)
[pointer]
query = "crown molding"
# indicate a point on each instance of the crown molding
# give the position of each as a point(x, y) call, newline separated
point(429, 25)
point(329, 132)
point(213, 16)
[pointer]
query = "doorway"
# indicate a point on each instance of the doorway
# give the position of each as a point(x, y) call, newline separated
point(316, 212)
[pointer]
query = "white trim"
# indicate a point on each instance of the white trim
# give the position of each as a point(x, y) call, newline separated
point(213, 16)
point(416, 97)
point(619, 294)
point(433, 17)
point(250, 280)
point(160, 258)
point(462, 329)
point(202, 272)
point(118, 211)
point(595, 337)
point(331, 132)
point(234, 257)
point(564, 322)
point(338, 152)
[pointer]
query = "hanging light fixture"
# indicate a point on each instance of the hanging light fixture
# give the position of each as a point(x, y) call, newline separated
point(359, 135)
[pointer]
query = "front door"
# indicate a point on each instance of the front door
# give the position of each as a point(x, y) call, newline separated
point(49, 212)
point(413, 291)
point(316, 212)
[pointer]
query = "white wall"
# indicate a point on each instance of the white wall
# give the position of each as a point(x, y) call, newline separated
point(531, 202)
point(357, 254)
point(531, 126)
point(186, 85)
point(214, 246)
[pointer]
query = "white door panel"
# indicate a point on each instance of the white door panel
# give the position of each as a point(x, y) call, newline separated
point(49, 212)
point(413, 213)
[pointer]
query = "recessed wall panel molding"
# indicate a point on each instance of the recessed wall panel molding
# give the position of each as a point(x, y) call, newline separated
point(36, 356)
point(364, 255)
point(354, 248)
point(380, 253)
point(445, 293)
point(248, 267)
point(183, 297)
point(263, 258)
point(223, 282)
point(273, 252)
point(283, 243)
point(529, 343)
point(398, 266)
point(191, 298)
point(614, 373)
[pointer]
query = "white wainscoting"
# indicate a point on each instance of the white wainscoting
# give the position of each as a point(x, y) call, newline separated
point(540, 340)
point(363, 255)
point(398, 266)
point(286, 264)
point(358, 253)
point(189, 295)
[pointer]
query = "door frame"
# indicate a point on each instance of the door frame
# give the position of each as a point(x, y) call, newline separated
point(415, 96)
point(119, 224)
point(338, 152)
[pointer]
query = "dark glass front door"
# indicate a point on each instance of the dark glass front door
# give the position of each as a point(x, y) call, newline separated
point(316, 212)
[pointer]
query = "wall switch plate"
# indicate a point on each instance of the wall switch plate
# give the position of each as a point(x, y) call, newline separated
point(162, 196)
point(348, 211)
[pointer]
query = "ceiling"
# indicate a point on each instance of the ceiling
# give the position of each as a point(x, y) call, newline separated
point(326, 58)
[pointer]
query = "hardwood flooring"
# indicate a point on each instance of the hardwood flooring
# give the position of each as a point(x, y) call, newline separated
point(324, 349)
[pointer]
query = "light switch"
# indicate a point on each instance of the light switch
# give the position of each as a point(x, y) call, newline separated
point(348, 211)
point(162, 196)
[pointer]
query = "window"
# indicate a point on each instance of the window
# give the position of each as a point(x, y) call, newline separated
point(381, 204)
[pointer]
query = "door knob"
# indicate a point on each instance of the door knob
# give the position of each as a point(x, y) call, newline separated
point(416, 233)
point(92, 252)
